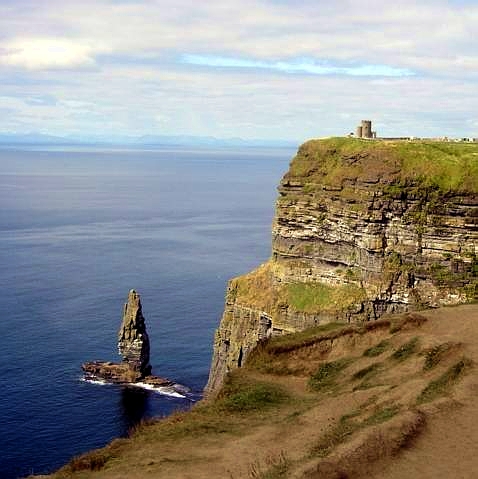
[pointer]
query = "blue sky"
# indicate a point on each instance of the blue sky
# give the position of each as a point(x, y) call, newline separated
point(253, 69)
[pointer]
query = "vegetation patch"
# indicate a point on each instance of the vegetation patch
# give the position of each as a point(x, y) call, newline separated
point(382, 415)
point(336, 435)
point(317, 297)
point(365, 384)
point(258, 289)
point(377, 350)
point(406, 350)
point(367, 372)
point(271, 356)
point(93, 460)
point(434, 355)
point(326, 375)
point(255, 288)
point(201, 420)
point(309, 297)
point(440, 166)
point(440, 387)
point(241, 397)
point(304, 338)
point(273, 365)
point(419, 167)
point(348, 425)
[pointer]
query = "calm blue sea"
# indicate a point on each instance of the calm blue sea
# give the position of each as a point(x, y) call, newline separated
point(78, 230)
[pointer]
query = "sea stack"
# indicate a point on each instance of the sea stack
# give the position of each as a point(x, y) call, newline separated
point(133, 341)
point(133, 347)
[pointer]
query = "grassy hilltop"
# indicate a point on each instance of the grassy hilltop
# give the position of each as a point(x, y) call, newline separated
point(433, 165)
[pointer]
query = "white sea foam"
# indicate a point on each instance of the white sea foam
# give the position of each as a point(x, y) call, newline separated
point(99, 382)
point(177, 391)
point(164, 390)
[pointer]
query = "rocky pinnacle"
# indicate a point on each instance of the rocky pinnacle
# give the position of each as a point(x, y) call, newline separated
point(133, 341)
point(133, 346)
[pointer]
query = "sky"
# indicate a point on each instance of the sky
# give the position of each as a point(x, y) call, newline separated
point(270, 69)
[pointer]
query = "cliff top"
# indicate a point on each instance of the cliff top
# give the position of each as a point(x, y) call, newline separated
point(442, 166)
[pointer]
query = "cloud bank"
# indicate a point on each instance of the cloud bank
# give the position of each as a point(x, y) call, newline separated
point(270, 69)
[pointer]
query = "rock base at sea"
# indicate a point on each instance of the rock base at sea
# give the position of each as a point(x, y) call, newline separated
point(133, 346)
point(121, 374)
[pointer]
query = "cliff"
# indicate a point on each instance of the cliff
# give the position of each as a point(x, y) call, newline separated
point(362, 228)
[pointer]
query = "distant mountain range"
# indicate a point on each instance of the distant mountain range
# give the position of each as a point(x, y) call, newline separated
point(29, 139)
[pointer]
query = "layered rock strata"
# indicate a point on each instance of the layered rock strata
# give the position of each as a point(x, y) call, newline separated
point(361, 229)
point(133, 346)
point(133, 340)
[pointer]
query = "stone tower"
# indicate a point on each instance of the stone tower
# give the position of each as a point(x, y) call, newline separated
point(366, 129)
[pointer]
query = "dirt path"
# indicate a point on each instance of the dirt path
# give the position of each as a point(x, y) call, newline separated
point(448, 448)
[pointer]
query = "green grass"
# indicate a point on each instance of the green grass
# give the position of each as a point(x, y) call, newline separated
point(434, 355)
point(264, 356)
point(243, 397)
point(367, 372)
point(94, 460)
point(418, 167)
point(377, 350)
point(382, 415)
point(440, 165)
point(441, 386)
point(405, 350)
point(258, 289)
point(303, 338)
point(348, 425)
point(326, 375)
point(316, 297)
point(201, 420)
point(335, 435)
point(309, 297)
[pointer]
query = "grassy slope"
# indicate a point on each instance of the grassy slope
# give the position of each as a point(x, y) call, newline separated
point(331, 400)
point(258, 289)
point(432, 165)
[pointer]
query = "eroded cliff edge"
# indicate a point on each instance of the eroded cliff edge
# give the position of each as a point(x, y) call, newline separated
point(362, 228)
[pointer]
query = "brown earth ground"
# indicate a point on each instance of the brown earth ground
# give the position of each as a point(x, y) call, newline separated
point(388, 399)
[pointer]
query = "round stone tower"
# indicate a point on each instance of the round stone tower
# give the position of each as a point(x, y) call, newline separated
point(366, 129)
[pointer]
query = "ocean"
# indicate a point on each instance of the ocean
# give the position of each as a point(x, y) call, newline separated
point(78, 230)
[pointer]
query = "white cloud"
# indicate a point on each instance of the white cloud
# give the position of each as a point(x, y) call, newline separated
point(365, 32)
point(46, 53)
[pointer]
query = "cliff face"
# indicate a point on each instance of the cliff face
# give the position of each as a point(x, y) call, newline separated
point(361, 229)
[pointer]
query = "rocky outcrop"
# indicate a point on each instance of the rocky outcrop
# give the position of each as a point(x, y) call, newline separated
point(133, 341)
point(361, 229)
point(133, 346)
